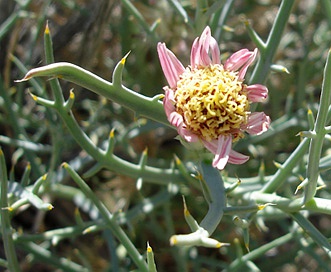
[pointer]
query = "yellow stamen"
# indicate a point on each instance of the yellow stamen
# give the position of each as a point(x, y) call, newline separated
point(212, 102)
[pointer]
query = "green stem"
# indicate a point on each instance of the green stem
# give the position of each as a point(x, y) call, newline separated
point(114, 163)
point(312, 231)
point(42, 254)
point(109, 219)
point(55, 85)
point(219, 19)
point(282, 203)
point(316, 205)
point(8, 23)
point(319, 205)
point(6, 229)
point(263, 65)
point(280, 177)
point(18, 130)
point(239, 262)
point(326, 5)
point(217, 196)
point(241, 209)
point(316, 143)
point(177, 6)
point(138, 16)
point(140, 104)
point(60, 233)
point(26, 145)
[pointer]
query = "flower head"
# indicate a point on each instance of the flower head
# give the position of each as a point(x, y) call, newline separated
point(208, 102)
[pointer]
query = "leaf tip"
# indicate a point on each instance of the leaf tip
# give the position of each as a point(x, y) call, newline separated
point(25, 78)
point(72, 94)
point(173, 240)
point(123, 60)
point(34, 97)
point(149, 248)
point(47, 32)
point(112, 133)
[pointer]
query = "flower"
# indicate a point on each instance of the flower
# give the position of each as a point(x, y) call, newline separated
point(208, 102)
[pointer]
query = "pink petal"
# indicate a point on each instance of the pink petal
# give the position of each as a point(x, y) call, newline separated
point(200, 50)
point(222, 153)
point(257, 92)
point(198, 56)
point(240, 60)
point(237, 158)
point(237, 59)
point(175, 119)
point(221, 148)
point(215, 51)
point(243, 70)
point(168, 101)
point(171, 66)
point(258, 122)
point(186, 134)
point(210, 145)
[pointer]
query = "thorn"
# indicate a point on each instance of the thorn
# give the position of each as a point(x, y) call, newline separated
point(47, 32)
point(72, 94)
point(26, 78)
point(277, 164)
point(279, 68)
point(158, 97)
point(177, 160)
point(262, 206)
point(34, 97)
point(123, 60)
point(173, 240)
point(149, 248)
point(112, 133)
point(186, 211)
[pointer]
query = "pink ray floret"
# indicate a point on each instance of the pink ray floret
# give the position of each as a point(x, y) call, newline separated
point(257, 92)
point(200, 50)
point(240, 61)
point(171, 66)
point(258, 122)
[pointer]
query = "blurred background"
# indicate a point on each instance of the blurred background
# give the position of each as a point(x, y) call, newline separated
point(96, 35)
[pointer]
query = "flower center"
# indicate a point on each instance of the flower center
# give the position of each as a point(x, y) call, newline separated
point(212, 102)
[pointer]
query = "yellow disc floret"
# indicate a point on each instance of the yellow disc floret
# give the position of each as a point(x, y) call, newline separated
point(212, 102)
